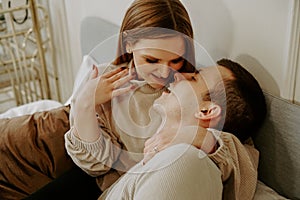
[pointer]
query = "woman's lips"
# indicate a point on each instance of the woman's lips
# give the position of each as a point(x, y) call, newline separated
point(158, 80)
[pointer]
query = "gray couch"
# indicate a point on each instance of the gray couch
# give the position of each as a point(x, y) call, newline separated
point(277, 141)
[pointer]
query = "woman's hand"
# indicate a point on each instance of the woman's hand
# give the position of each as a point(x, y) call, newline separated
point(109, 85)
point(194, 135)
point(100, 89)
point(95, 91)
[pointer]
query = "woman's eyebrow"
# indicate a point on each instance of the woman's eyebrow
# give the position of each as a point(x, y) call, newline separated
point(151, 57)
point(158, 59)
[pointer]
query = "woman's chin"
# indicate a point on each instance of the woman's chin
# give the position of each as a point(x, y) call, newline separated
point(156, 85)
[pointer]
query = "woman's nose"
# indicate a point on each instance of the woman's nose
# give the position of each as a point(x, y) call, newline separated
point(164, 71)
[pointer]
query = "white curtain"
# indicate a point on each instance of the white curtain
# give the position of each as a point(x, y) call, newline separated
point(62, 46)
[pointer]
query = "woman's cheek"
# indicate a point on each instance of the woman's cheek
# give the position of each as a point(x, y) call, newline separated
point(140, 73)
point(144, 69)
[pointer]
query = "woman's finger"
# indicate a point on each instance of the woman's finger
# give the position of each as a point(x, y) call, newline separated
point(118, 75)
point(113, 72)
point(94, 72)
point(120, 82)
point(150, 141)
point(149, 145)
point(147, 157)
point(120, 91)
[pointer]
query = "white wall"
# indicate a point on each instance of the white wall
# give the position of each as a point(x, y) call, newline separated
point(111, 10)
point(253, 32)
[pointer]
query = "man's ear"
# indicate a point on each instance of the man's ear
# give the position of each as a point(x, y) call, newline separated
point(208, 114)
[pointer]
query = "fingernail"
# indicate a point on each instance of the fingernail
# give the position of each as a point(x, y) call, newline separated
point(132, 87)
point(94, 67)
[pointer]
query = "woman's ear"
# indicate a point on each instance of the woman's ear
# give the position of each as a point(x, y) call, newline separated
point(208, 114)
point(128, 48)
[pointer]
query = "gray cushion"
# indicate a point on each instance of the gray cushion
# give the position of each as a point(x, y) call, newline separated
point(264, 192)
point(278, 142)
point(99, 39)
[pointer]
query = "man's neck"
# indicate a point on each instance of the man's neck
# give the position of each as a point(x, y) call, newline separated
point(169, 123)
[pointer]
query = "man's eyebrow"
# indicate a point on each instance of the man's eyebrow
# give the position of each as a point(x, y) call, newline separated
point(192, 76)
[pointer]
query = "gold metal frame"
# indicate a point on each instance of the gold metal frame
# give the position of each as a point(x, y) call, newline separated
point(27, 60)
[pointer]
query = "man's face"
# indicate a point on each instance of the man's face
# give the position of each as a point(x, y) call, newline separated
point(186, 93)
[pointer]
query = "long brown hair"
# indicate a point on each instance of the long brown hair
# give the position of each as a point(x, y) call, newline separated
point(156, 19)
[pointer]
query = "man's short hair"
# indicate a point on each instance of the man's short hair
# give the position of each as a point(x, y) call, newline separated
point(243, 102)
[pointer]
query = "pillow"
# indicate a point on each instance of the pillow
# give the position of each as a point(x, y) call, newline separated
point(30, 108)
point(32, 151)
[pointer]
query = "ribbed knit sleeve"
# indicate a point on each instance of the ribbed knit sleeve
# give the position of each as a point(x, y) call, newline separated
point(238, 164)
point(96, 157)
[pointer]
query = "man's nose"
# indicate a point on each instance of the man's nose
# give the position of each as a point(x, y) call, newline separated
point(178, 77)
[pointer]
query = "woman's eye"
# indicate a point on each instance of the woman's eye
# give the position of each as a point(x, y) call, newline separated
point(178, 60)
point(151, 60)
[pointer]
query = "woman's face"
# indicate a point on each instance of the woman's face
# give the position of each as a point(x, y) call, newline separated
point(155, 59)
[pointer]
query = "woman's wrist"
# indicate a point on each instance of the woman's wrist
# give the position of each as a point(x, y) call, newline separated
point(85, 121)
point(209, 143)
point(83, 105)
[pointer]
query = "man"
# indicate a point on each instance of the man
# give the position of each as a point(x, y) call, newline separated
point(213, 98)
point(231, 174)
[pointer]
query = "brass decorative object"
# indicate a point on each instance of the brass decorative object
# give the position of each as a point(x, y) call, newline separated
point(27, 64)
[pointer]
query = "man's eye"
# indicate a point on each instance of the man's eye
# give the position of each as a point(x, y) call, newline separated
point(151, 60)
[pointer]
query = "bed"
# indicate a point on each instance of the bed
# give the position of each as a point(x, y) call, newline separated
point(278, 140)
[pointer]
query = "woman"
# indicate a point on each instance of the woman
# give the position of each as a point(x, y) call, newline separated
point(155, 40)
